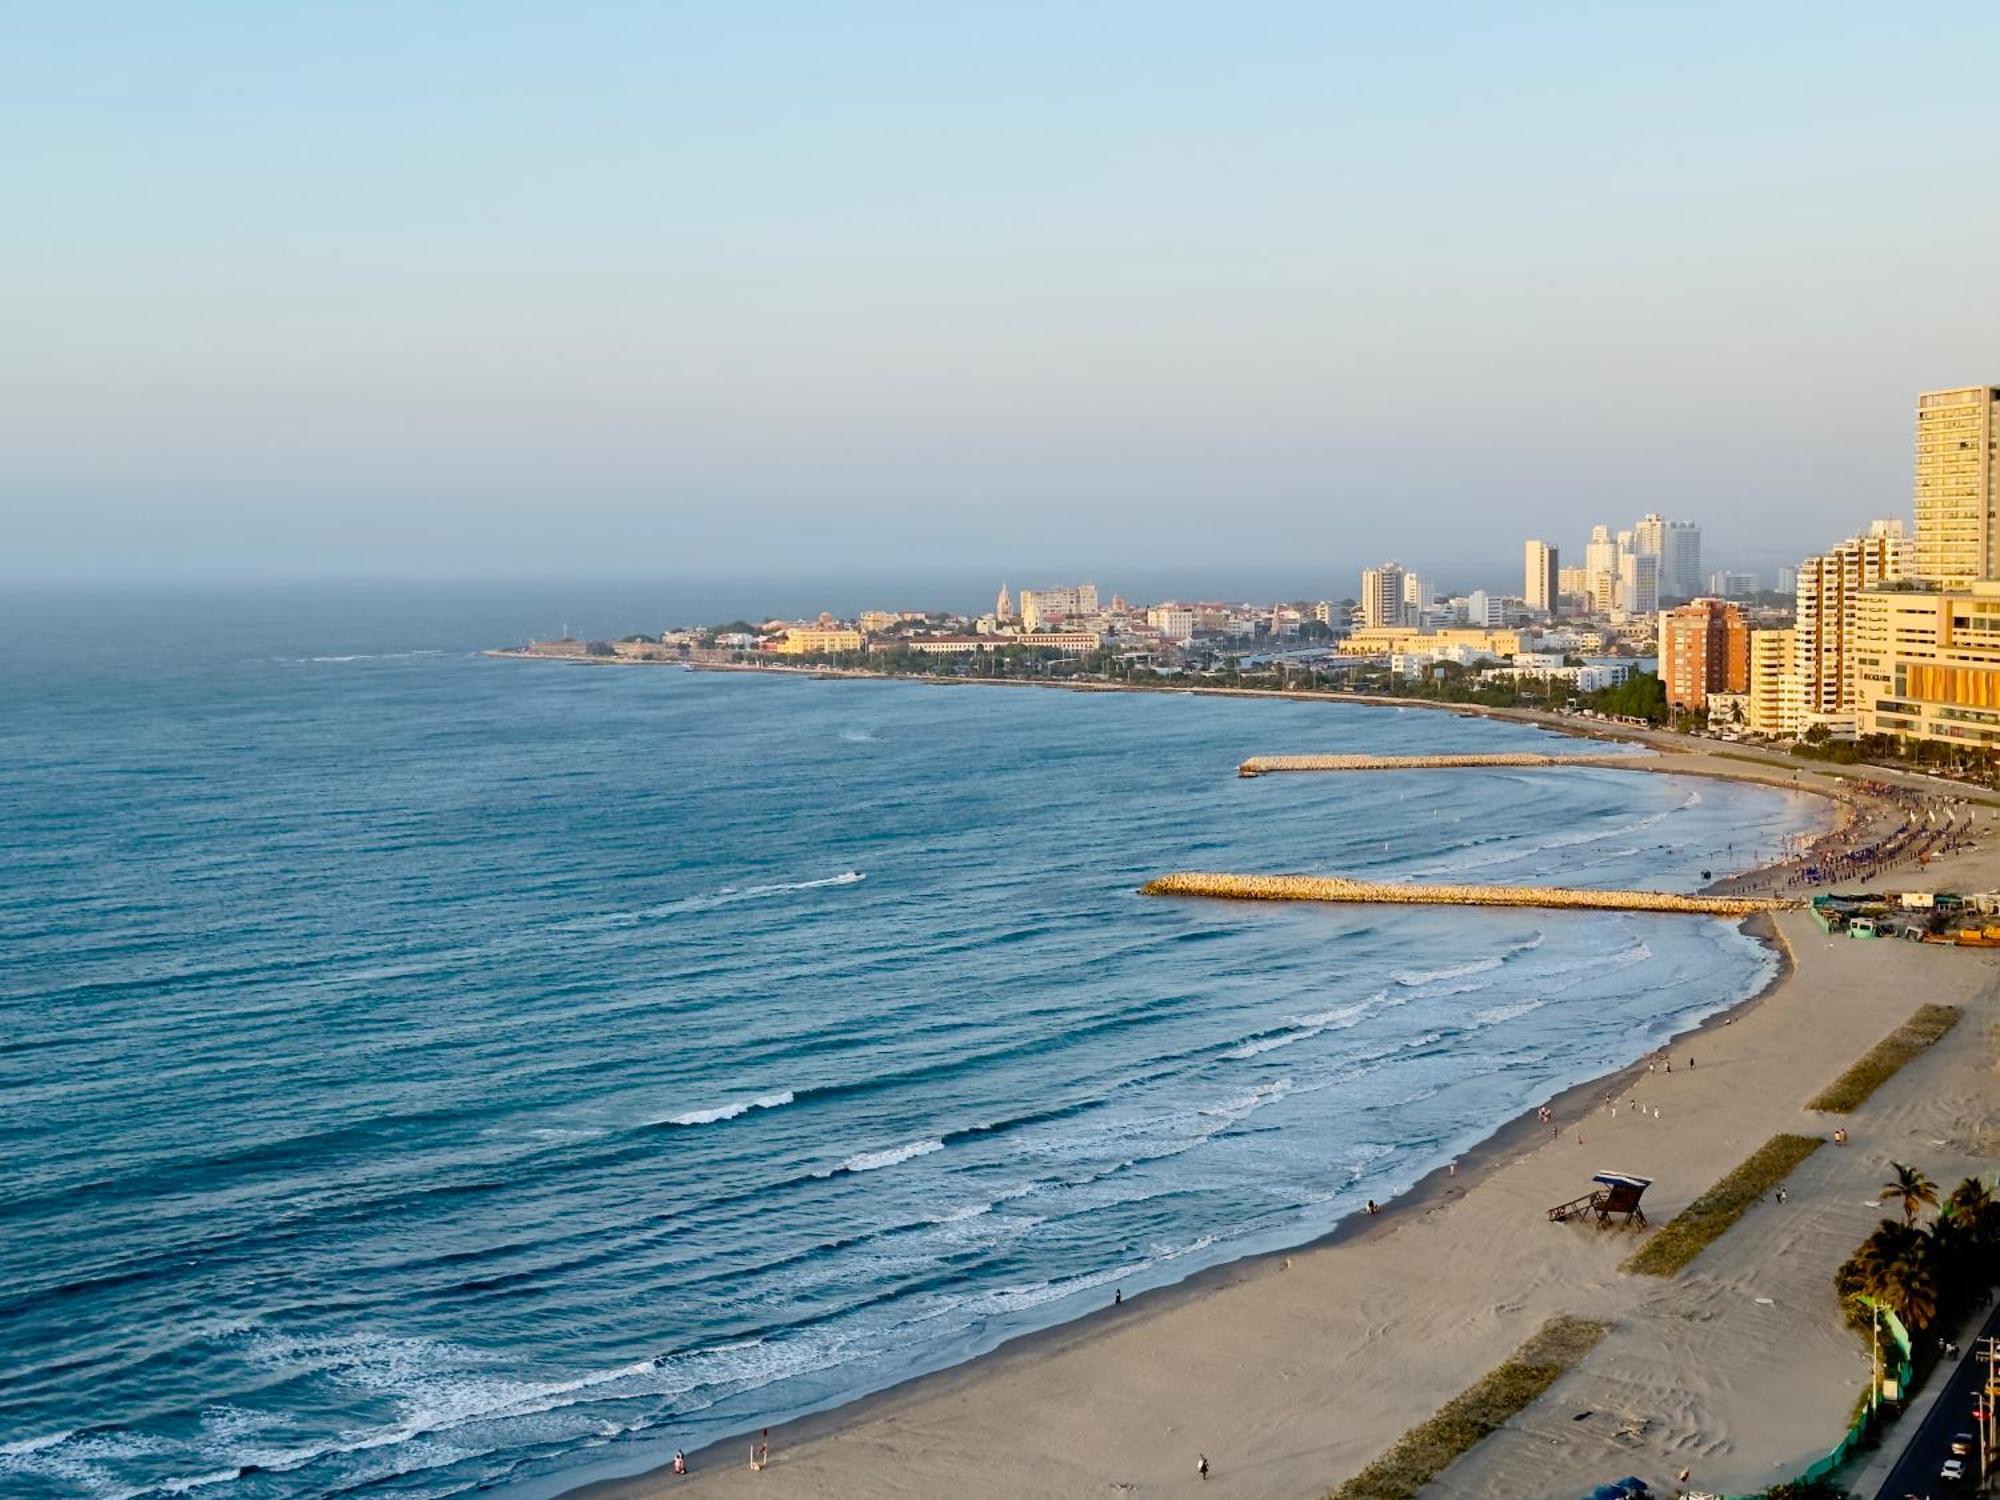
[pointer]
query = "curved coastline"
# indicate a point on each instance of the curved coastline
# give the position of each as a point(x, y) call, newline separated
point(1511, 1140)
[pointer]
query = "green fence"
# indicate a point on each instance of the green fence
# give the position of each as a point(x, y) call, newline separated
point(1821, 1468)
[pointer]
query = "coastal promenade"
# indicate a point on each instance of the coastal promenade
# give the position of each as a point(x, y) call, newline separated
point(1334, 888)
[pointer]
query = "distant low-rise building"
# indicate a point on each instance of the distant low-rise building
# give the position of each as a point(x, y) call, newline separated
point(815, 640)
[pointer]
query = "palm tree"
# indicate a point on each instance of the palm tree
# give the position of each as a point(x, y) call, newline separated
point(1914, 1191)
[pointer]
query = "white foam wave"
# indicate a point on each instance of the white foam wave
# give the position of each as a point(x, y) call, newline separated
point(728, 895)
point(1417, 978)
point(728, 1111)
point(1302, 1028)
point(874, 1161)
point(1495, 1014)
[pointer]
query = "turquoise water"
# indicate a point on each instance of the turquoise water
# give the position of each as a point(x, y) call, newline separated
point(422, 1072)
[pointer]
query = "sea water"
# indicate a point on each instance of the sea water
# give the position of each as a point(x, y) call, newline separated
point(423, 1072)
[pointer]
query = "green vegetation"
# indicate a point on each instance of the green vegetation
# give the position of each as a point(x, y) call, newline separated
point(1884, 1060)
point(1924, 1274)
point(1423, 1452)
point(1640, 696)
point(1704, 1221)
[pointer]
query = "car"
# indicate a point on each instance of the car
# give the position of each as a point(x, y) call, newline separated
point(1961, 1443)
point(1953, 1470)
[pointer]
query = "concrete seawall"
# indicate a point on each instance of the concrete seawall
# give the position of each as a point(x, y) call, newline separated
point(1266, 765)
point(1333, 888)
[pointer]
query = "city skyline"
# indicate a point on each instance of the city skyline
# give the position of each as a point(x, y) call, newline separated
point(696, 294)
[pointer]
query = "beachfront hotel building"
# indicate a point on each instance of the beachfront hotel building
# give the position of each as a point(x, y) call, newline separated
point(1704, 648)
point(1775, 696)
point(1382, 596)
point(1544, 578)
point(1927, 663)
point(1829, 591)
point(1958, 464)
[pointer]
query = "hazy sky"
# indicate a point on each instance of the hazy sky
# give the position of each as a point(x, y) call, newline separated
point(1069, 288)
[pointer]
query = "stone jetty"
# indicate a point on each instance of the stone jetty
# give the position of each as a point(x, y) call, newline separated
point(1334, 888)
point(1265, 765)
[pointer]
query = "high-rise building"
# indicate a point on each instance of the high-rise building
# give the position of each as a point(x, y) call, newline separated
point(1483, 610)
point(1774, 684)
point(1043, 607)
point(1958, 486)
point(1600, 561)
point(1732, 585)
point(1418, 597)
point(1927, 664)
point(1704, 648)
point(1638, 584)
point(1829, 590)
point(1174, 621)
point(1677, 544)
point(1544, 574)
point(1382, 596)
point(1787, 580)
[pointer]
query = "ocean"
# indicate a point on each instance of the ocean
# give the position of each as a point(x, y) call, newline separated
point(424, 1073)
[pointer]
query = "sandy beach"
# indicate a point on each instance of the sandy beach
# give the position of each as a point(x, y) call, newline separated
point(1291, 1372)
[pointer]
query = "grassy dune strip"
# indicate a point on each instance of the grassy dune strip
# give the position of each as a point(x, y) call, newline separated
point(1705, 1220)
point(1884, 1060)
point(1423, 1452)
point(1333, 888)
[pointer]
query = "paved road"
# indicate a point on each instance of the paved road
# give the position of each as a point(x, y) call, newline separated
point(1916, 1472)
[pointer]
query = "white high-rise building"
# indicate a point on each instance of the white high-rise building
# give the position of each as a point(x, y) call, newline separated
point(1418, 597)
point(1382, 596)
point(1544, 578)
point(1638, 584)
point(1677, 544)
point(1483, 611)
point(1600, 562)
point(1829, 587)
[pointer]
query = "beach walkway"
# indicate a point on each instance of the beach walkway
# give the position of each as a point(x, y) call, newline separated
point(1336, 889)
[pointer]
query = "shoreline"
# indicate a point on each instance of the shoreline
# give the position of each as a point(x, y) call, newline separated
point(1513, 1140)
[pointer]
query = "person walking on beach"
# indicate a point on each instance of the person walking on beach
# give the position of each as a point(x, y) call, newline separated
point(1201, 1465)
point(680, 1462)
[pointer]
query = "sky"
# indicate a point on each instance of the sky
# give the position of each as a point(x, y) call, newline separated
point(1044, 290)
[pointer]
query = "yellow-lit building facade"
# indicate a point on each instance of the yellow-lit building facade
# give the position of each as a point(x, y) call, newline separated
point(1391, 641)
point(1927, 664)
point(1776, 696)
point(1958, 486)
point(814, 641)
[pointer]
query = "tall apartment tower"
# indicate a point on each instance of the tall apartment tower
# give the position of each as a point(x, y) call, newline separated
point(1600, 560)
point(1638, 584)
point(1677, 544)
point(1704, 648)
point(1958, 486)
point(1829, 588)
point(1544, 582)
point(1382, 596)
point(1418, 597)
